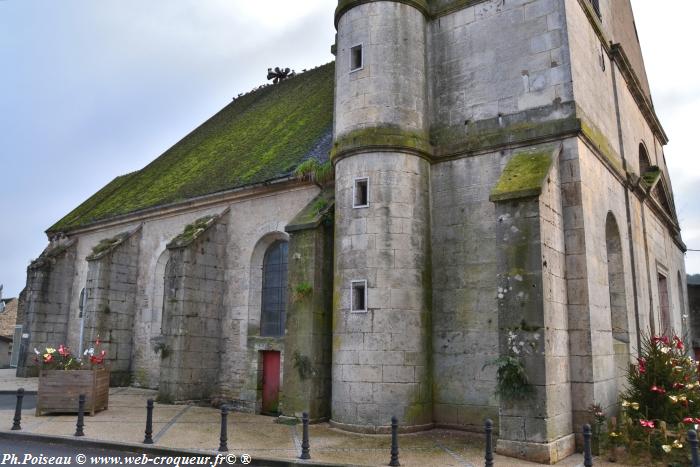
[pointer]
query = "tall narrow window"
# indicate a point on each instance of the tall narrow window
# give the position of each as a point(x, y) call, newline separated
point(274, 290)
point(665, 314)
point(596, 7)
point(618, 300)
point(359, 297)
point(356, 58)
point(360, 193)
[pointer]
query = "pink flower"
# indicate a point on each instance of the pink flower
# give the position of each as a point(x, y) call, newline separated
point(63, 351)
point(689, 420)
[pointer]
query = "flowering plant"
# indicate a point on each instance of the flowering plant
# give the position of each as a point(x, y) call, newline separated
point(512, 379)
point(63, 359)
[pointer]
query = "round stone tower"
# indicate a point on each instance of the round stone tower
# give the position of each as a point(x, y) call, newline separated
point(382, 295)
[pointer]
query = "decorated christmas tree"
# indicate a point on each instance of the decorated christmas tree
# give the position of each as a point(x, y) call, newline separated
point(661, 403)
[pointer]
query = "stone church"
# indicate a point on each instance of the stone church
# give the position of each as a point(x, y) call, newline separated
point(363, 239)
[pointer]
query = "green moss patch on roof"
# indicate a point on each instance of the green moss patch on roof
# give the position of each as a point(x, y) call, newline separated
point(524, 174)
point(259, 137)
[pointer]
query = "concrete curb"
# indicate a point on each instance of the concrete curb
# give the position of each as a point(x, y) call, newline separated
point(150, 449)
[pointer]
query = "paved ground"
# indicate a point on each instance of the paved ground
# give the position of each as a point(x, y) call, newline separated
point(197, 428)
point(29, 452)
point(9, 382)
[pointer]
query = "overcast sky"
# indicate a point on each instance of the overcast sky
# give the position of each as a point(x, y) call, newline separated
point(93, 89)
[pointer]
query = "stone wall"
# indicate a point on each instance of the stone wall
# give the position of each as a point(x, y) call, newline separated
point(193, 310)
point(496, 59)
point(48, 299)
point(532, 318)
point(694, 303)
point(381, 357)
point(308, 335)
point(465, 325)
point(111, 304)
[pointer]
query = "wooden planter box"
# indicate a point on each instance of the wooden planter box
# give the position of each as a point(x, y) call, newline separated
point(59, 390)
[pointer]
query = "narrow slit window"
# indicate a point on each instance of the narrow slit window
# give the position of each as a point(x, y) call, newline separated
point(361, 193)
point(359, 297)
point(356, 58)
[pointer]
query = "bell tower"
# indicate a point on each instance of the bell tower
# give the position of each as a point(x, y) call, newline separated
point(382, 298)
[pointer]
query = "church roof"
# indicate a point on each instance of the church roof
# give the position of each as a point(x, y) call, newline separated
point(259, 137)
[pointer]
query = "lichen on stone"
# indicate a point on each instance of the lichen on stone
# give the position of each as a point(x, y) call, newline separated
point(192, 232)
point(524, 174)
point(106, 245)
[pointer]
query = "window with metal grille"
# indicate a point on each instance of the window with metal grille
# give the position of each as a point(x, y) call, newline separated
point(274, 290)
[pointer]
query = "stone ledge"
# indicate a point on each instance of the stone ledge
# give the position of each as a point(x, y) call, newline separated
point(545, 453)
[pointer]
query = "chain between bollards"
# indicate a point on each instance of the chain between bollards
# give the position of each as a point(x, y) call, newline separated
point(587, 456)
point(81, 413)
point(223, 439)
point(693, 441)
point(305, 454)
point(394, 442)
point(488, 426)
point(148, 439)
point(18, 410)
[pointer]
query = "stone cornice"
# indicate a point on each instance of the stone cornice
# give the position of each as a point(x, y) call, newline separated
point(198, 203)
point(345, 5)
point(619, 57)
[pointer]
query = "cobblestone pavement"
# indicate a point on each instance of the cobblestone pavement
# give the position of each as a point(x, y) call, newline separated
point(197, 428)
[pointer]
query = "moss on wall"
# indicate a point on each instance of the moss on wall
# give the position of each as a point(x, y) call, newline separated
point(524, 174)
point(381, 137)
point(192, 232)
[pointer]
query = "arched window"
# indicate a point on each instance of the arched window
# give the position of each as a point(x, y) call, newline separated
point(618, 299)
point(274, 290)
point(158, 299)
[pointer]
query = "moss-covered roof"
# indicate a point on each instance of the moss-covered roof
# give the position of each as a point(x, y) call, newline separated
point(259, 137)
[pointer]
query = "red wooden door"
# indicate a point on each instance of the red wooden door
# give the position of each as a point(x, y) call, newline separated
point(271, 382)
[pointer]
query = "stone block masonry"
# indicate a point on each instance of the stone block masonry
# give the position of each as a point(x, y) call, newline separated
point(308, 334)
point(47, 302)
point(110, 307)
point(192, 313)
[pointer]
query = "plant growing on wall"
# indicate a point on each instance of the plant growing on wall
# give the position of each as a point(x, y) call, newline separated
point(512, 382)
point(315, 172)
point(301, 291)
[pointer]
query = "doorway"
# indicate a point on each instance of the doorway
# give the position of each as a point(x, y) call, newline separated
point(270, 382)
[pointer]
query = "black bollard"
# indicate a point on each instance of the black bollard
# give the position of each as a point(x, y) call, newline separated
point(149, 422)
point(18, 410)
point(223, 439)
point(587, 456)
point(81, 413)
point(394, 442)
point(305, 454)
point(693, 441)
point(488, 425)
